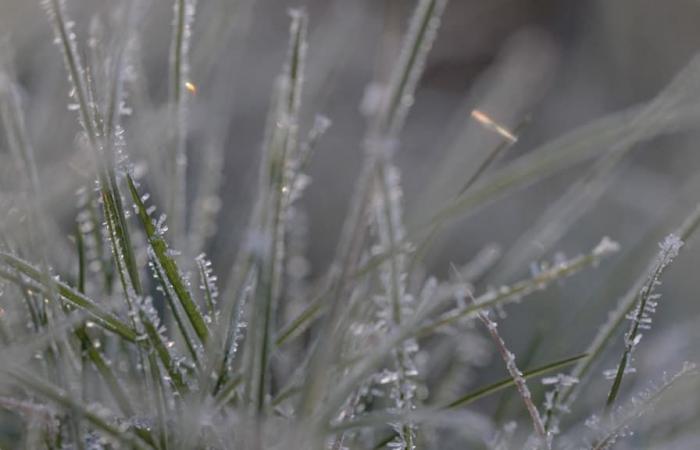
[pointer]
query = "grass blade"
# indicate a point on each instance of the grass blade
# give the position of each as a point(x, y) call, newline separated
point(604, 336)
point(646, 306)
point(280, 152)
point(508, 382)
point(104, 318)
point(524, 287)
point(183, 15)
point(169, 266)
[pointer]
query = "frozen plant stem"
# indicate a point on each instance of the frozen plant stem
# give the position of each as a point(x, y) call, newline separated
point(641, 316)
point(515, 373)
point(279, 164)
point(605, 335)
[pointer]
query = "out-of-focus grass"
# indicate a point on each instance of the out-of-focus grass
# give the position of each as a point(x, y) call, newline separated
point(113, 333)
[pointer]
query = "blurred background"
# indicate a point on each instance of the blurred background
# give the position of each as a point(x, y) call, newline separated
point(541, 67)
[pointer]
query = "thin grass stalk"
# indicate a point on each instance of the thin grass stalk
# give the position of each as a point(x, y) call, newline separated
point(80, 92)
point(175, 310)
point(183, 15)
point(168, 266)
point(511, 366)
point(208, 286)
point(390, 231)
point(13, 119)
point(580, 196)
point(670, 110)
point(89, 349)
point(646, 305)
point(637, 410)
point(490, 299)
point(524, 287)
point(281, 151)
point(102, 317)
point(604, 336)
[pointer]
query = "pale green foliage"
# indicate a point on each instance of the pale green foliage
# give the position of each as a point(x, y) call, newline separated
point(124, 340)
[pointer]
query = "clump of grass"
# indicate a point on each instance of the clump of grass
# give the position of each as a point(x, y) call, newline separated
point(124, 352)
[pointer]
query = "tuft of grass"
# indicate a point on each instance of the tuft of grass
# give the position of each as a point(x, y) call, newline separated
point(106, 343)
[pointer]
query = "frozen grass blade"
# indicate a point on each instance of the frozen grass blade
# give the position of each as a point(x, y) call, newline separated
point(522, 288)
point(208, 285)
point(174, 309)
point(15, 266)
point(169, 267)
point(641, 316)
point(80, 93)
point(640, 405)
point(106, 343)
point(604, 336)
point(490, 299)
point(280, 153)
point(515, 373)
point(396, 302)
point(409, 67)
point(90, 348)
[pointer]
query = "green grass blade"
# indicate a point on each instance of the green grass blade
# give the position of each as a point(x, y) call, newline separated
point(669, 250)
point(104, 318)
point(615, 319)
point(175, 310)
point(508, 382)
point(117, 391)
point(169, 266)
point(281, 152)
point(415, 48)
